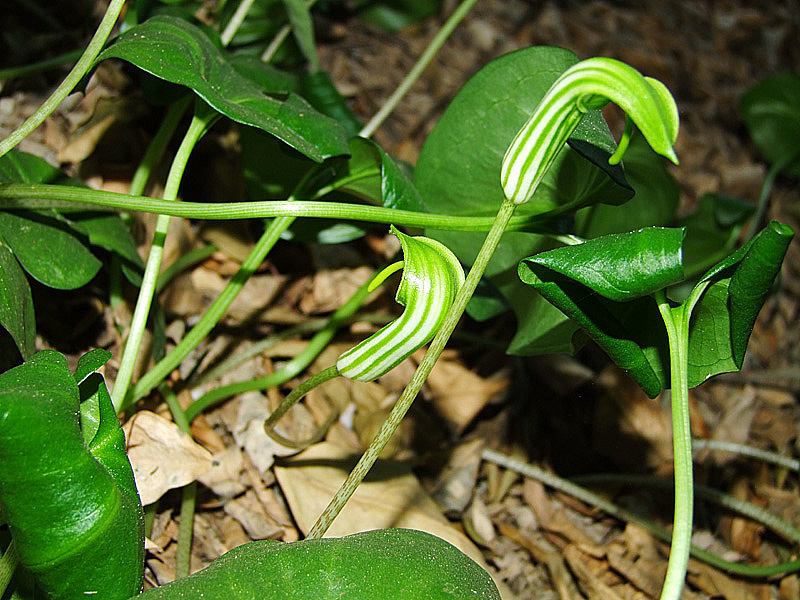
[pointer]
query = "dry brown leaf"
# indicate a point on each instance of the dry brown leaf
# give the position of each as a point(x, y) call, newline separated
point(331, 288)
point(223, 478)
point(716, 583)
point(592, 586)
point(391, 496)
point(457, 480)
point(458, 393)
point(251, 514)
point(162, 456)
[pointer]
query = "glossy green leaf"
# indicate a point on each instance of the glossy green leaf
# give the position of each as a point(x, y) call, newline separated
point(771, 111)
point(77, 527)
point(458, 172)
point(401, 564)
point(90, 362)
point(16, 303)
point(322, 94)
point(604, 285)
point(102, 229)
point(179, 52)
point(623, 318)
point(48, 249)
point(725, 315)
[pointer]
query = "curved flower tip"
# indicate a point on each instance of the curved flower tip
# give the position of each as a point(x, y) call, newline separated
point(431, 278)
point(589, 84)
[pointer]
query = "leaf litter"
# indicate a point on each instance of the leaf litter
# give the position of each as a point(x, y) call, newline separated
point(537, 543)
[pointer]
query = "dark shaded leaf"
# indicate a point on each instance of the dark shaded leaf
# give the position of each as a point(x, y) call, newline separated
point(771, 111)
point(16, 303)
point(48, 249)
point(181, 53)
point(402, 564)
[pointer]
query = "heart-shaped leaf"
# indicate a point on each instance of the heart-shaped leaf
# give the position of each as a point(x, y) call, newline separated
point(458, 172)
point(177, 51)
point(771, 111)
point(401, 564)
point(605, 286)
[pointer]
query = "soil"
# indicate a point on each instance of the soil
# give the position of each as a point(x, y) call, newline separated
point(570, 415)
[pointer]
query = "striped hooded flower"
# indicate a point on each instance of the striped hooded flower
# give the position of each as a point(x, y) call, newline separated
point(431, 278)
point(589, 84)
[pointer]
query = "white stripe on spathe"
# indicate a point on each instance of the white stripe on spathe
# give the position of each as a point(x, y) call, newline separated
point(589, 84)
point(431, 278)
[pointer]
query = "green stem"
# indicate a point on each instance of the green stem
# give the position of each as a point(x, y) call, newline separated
point(292, 368)
point(27, 196)
point(436, 43)
point(199, 125)
point(677, 324)
point(184, 261)
point(592, 499)
point(420, 375)
point(8, 565)
point(292, 399)
point(765, 455)
point(183, 554)
point(212, 316)
point(70, 81)
point(42, 65)
point(236, 21)
point(156, 147)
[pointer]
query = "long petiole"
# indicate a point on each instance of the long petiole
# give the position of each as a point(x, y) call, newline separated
point(420, 375)
point(199, 125)
point(676, 321)
point(27, 196)
point(70, 81)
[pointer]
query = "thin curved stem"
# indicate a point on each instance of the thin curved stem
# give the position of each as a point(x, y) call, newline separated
point(294, 367)
point(236, 21)
point(420, 375)
point(771, 457)
point(592, 499)
point(27, 196)
point(197, 128)
point(433, 47)
point(293, 398)
point(70, 81)
point(677, 324)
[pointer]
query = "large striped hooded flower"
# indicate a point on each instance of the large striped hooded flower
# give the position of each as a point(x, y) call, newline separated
point(431, 278)
point(589, 84)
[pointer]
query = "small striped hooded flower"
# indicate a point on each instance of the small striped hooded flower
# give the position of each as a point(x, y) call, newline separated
point(431, 278)
point(589, 84)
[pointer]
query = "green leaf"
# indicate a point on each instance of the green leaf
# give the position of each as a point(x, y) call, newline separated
point(458, 172)
point(771, 111)
point(604, 286)
point(655, 198)
point(101, 228)
point(302, 30)
point(394, 15)
point(609, 296)
point(16, 303)
point(322, 94)
point(724, 317)
point(90, 362)
point(48, 249)
point(179, 52)
point(76, 529)
point(401, 564)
